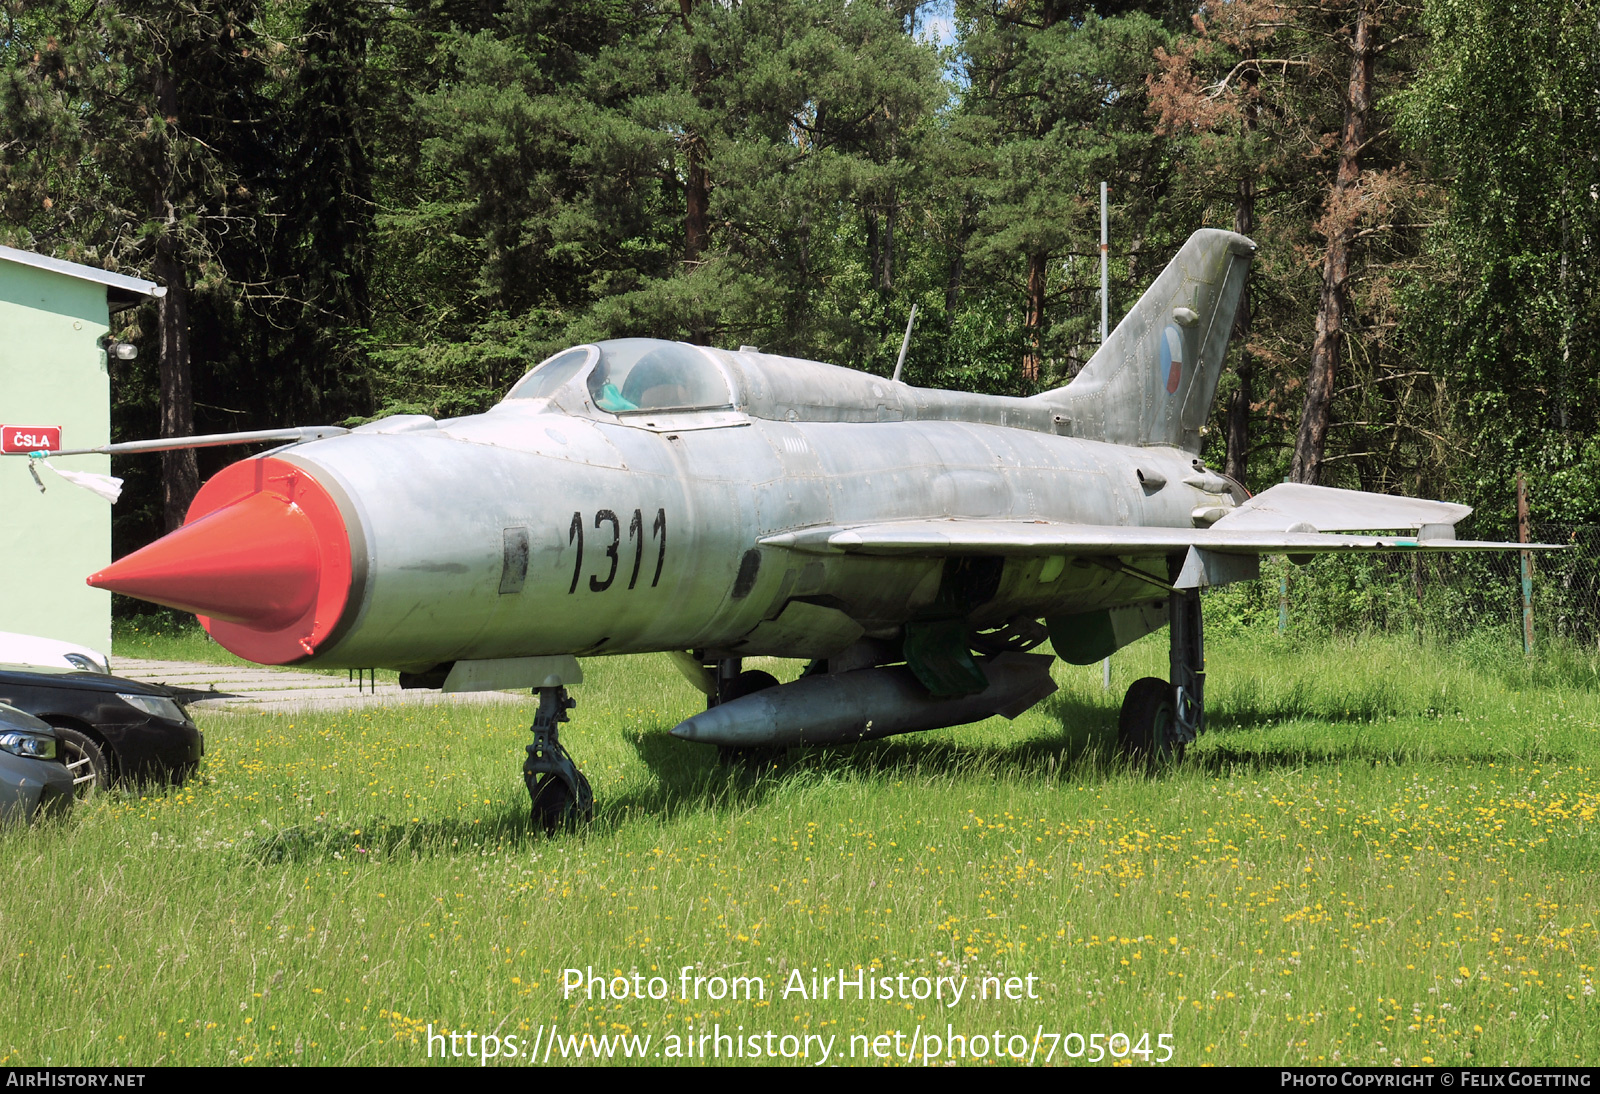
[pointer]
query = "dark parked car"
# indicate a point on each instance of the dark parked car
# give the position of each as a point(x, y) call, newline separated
point(108, 727)
point(32, 781)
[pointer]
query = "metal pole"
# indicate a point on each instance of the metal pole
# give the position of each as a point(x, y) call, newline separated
point(1527, 566)
point(1283, 600)
point(1105, 268)
point(905, 344)
point(1283, 594)
point(208, 440)
point(1105, 288)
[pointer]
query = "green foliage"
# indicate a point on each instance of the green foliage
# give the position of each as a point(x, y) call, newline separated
point(1054, 102)
point(560, 152)
point(226, 165)
point(403, 208)
point(1510, 318)
point(1473, 600)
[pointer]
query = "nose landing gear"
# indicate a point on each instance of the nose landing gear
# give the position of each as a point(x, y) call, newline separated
point(560, 794)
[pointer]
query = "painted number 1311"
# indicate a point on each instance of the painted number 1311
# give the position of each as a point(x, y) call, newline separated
point(603, 518)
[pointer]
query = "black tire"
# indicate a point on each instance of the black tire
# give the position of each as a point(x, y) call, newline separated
point(555, 806)
point(748, 683)
point(1145, 725)
point(84, 757)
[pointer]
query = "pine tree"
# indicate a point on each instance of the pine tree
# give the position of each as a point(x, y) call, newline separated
point(156, 97)
point(1056, 95)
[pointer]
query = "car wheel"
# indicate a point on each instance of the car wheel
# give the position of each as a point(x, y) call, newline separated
point(85, 759)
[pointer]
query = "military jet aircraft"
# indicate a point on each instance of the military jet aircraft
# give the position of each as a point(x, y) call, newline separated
point(643, 496)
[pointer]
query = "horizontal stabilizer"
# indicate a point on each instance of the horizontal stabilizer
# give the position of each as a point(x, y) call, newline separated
point(945, 537)
point(1328, 510)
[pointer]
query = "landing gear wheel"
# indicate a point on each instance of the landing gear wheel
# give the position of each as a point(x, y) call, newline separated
point(85, 759)
point(748, 683)
point(1146, 727)
point(559, 793)
point(557, 805)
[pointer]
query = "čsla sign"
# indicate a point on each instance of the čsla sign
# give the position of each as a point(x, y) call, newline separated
point(30, 438)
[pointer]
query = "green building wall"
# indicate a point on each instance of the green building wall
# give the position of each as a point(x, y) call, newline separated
point(53, 372)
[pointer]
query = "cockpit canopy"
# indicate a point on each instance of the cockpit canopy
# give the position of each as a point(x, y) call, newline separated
point(647, 383)
point(630, 375)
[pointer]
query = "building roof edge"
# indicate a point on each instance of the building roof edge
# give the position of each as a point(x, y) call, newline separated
point(83, 273)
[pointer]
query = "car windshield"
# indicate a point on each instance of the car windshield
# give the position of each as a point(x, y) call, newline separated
point(548, 378)
point(636, 374)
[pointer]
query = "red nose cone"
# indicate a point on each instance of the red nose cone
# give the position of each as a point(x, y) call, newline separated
point(253, 562)
point(263, 559)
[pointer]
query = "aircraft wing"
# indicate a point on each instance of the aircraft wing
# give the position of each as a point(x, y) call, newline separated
point(1008, 537)
point(1290, 519)
point(1212, 556)
point(1326, 509)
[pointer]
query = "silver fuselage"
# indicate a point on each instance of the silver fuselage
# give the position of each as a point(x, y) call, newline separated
point(646, 535)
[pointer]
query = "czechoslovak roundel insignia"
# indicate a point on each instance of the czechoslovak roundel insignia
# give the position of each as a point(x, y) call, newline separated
point(1172, 358)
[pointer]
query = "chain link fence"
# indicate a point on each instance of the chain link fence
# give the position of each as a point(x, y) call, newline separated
point(1441, 596)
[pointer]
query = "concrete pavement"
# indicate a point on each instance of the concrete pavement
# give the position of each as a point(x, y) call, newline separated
point(255, 687)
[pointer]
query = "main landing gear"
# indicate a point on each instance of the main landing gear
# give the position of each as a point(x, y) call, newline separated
point(734, 681)
point(560, 794)
point(1159, 719)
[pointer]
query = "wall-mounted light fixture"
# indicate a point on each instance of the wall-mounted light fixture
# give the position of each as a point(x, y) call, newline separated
point(122, 351)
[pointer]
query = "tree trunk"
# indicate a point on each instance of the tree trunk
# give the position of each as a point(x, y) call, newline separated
point(697, 182)
point(1033, 357)
point(180, 471)
point(697, 187)
point(879, 219)
point(870, 219)
point(1238, 411)
point(697, 201)
point(958, 264)
point(1343, 216)
point(1237, 419)
point(886, 252)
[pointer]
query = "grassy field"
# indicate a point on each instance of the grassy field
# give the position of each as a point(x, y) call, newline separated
point(1381, 852)
point(157, 639)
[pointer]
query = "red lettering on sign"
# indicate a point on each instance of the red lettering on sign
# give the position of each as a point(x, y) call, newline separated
point(30, 438)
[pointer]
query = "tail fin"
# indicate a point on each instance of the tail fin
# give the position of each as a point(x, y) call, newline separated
point(1153, 380)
